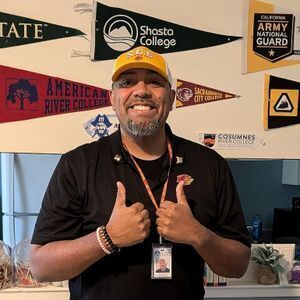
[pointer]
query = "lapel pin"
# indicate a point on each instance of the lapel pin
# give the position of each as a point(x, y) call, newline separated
point(117, 158)
point(179, 160)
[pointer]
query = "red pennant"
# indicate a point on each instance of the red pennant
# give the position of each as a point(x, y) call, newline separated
point(27, 95)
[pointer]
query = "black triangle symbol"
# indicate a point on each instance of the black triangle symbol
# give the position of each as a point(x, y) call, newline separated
point(284, 103)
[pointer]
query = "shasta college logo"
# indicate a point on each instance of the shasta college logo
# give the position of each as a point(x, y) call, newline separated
point(120, 32)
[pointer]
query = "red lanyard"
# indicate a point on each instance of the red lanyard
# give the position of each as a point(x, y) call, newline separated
point(145, 182)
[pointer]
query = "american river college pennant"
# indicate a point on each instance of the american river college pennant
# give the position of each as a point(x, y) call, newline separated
point(26, 95)
point(17, 30)
point(116, 30)
point(281, 102)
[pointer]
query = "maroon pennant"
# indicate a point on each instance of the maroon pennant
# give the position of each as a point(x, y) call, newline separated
point(188, 93)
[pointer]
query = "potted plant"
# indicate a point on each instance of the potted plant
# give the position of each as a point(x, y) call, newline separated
point(269, 264)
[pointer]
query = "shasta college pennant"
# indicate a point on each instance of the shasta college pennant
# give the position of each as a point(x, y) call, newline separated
point(26, 95)
point(281, 102)
point(17, 30)
point(116, 30)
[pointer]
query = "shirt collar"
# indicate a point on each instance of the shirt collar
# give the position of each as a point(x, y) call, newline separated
point(121, 156)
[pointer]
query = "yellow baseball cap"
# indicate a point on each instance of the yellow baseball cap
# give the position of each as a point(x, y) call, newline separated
point(141, 58)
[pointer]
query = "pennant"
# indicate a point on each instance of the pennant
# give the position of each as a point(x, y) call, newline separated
point(26, 95)
point(281, 102)
point(188, 93)
point(17, 30)
point(272, 37)
point(116, 30)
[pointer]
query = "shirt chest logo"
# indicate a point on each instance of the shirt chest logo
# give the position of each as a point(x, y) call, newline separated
point(186, 178)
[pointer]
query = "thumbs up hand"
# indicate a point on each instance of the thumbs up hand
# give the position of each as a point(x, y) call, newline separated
point(175, 221)
point(127, 225)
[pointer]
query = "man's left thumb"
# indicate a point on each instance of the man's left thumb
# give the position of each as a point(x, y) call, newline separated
point(180, 195)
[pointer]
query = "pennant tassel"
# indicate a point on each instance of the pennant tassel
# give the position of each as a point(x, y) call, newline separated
point(79, 53)
point(83, 8)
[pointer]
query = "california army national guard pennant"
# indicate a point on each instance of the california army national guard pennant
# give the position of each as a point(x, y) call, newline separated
point(272, 37)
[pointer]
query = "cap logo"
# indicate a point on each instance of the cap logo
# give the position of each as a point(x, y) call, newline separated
point(142, 57)
point(139, 54)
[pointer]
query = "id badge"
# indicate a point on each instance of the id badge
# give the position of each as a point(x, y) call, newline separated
point(161, 263)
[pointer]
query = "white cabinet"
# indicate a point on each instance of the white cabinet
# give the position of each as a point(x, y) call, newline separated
point(291, 172)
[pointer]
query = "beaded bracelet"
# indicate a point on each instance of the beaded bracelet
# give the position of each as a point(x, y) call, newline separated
point(107, 240)
point(100, 241)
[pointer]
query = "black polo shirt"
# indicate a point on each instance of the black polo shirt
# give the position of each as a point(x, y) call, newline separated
point(81, 195)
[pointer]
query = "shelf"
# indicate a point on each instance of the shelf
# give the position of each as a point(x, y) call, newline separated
point(252, 291)
point(223, 292)
point(50, 289)
point(45, 293)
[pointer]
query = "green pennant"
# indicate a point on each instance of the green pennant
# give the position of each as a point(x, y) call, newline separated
point(18, 30)
point(116, 30)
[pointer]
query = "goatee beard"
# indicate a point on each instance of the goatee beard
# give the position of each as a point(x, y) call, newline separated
point(142, 128)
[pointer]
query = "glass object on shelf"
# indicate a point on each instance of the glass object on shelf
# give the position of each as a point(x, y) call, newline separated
point(256, 228)
point(6, 267)
point(296, 272)
point(24, 277)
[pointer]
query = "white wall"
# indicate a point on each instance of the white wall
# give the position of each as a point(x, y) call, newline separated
point(218, 67)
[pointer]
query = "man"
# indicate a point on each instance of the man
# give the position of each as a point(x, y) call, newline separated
point(162, 266)
point(113, 203)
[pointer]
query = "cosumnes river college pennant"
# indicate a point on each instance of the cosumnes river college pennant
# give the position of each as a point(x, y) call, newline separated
point(116, 30)
point(26, 95)
point(272, 37)
point(17, 30)
point(281, 102)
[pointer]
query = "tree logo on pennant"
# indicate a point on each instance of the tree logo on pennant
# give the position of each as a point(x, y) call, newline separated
point(120, 32)
point(22, 95)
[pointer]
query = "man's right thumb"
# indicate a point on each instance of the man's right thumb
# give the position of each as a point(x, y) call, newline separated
point(121, 195)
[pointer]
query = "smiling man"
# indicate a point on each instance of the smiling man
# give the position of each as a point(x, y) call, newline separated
point(142, 98)
point(115, 208)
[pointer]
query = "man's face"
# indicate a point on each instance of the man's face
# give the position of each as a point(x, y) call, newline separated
point(142, 100)
point(162, 264)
